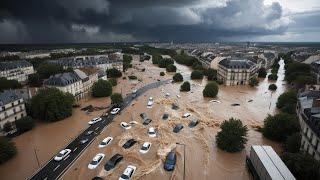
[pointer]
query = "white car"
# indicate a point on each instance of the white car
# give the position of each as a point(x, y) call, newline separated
point(178, 96)
point(105, 142)
point(145, 147)
point(96, 161)
point(95, 120)
point(115, 111)
point(215, 101)
point(152, 132)
point(150, 102)
point(128, 173)
point(167, 94)
point(125, 125)
point(62, 154)
point(133, 122)
point(186, 115)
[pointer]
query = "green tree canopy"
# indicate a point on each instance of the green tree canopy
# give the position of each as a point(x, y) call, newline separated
point(101, 88)
point(156, 58)
point(273, 77)
point(171, 68)
point(253, 82)
point(113, 81)
point(163, 63)
point(34, 80)
point(302, 166)
point(287, 101)
point(280, 126)
point(162, 74)
point(185, 86)
point(7, 149)
point(9, 84)
point(116, 98)
point(233, 135)
point(183, 58)
point(211, 90)
point(293, 143)
point(177, 77)
point(25, 124)
point(114, 73)
point(127, 59)
point(272, 87)
point(196, 74)
point(212, 74)
point(45, 70)
point(51, 104)
point(262, 73)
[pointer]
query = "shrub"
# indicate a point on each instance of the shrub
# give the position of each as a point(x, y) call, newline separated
point(113, 81)
point(116, 98)
point(162, 74)
point(253, 82)
point(196, 74)
point(211, 90)
point(177, 77)
point(114, 73)
point(7, 150)
point(132, 77)
point(171, 68)
point(185, 86)
point(272, 87)
point(212, 74)
point(233, 135)
point(262, 73)
point(280, 126)
point(273, 77)
point(101, 88)
point(51, 104)
point(25, 124)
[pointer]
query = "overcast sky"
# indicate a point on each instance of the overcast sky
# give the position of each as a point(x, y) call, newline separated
point(74, 21)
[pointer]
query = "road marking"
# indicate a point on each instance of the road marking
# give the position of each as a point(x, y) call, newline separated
point(75, 149)
point(96, 128)
point(67, 157)
point(56, 168)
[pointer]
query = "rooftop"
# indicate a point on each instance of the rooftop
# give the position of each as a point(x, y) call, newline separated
point(237, 63)
point(62, 79)
point(7, 65)
point(8, 96)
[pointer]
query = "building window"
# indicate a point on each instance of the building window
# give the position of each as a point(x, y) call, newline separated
point(12, 104)
point(18, 101)
point(15, 118)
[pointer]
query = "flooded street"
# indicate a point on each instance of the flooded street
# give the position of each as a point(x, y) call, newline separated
point(203, 159)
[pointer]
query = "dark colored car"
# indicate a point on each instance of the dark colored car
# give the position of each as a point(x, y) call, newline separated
point(143, 115)
point(165, 116)
point(146, 122)
point(97, 178)
point(175, 107)
point(170, 161)
point(88, 133)
point(134, 95)
point(129, 143)
point(83, 141)
point(113, 161)
point(177, 128)
point(235, 104)
point(193, 123)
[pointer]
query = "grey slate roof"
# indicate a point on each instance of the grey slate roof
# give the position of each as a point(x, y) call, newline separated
point(62, 79)
point(8, 96)
point(7, 65)
point(237, 63)
point(269, 55)
point(76, 62)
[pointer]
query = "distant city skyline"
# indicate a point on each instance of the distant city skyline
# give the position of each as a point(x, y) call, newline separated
point(96, 21)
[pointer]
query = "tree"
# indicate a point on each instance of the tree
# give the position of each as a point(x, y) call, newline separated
point(185, 86)
point(287, 101)
point(211, 90)
point(113, 81)
point(262, 73)
point(183, 58)
point(280, 126)
point(127, 59)
point(212, 74)
point(302, 166)
point(302, 80)
point(7, 127)
point(177, 77)
point(233, 135)
point(156, 58)
point(162, 74)
point(9, 84)
point(34, 80)
point(25, 124)
point(116, 98)
point(196, 74)
point(273, 77)
point(7, 149)
point(45, 70)
point(293, 143)
point(171, 68)
point(101, 88)
point(51, 104)
point(163, 63)
point(272, 87)
point(114, 73)
point(253, 82)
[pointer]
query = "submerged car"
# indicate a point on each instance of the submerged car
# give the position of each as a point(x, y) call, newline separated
point(145, 147)
point(128, 173)
point(115, 111)
point(88, 133)
point(95, 120)
point(62, 154)
point(152, 132)
point(143, 115)
point(96, 161)
point(165, 116)
point(150, 102)
point(170, 161)
point(125, 125)
point(146, 122)
point(193, 123)
point(129, 143)
point(235, 104)
point(105, 142)
point(113, 161)
point(185, 115)
point(83, 141)
point(177, 128)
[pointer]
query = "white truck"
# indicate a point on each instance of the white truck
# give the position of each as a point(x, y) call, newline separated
point(265, 164)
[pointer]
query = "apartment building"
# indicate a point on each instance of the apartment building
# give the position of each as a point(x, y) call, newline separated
point(12, 108)
point(88, 76)
point(16, 70)
point(308, 110)
point(267, 59)
point(236, 71)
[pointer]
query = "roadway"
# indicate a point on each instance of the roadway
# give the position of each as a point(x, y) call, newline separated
point(54, 170)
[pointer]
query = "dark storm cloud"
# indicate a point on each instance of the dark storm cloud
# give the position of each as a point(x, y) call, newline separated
point(42, 21)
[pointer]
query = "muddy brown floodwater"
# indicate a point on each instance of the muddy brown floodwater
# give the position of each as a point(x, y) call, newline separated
point(203, 159)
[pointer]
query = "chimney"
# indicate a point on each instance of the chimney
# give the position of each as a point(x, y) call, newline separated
point(316, 103)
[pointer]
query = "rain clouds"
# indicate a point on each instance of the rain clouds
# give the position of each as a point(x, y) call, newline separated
point(55, 21)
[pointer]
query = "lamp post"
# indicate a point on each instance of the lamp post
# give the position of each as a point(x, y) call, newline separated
point(184, 159)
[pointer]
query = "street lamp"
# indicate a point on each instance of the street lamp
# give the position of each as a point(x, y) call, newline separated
point(184, 159)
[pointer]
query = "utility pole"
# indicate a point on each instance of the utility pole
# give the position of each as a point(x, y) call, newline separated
point(184, 159)
point(35, 152)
